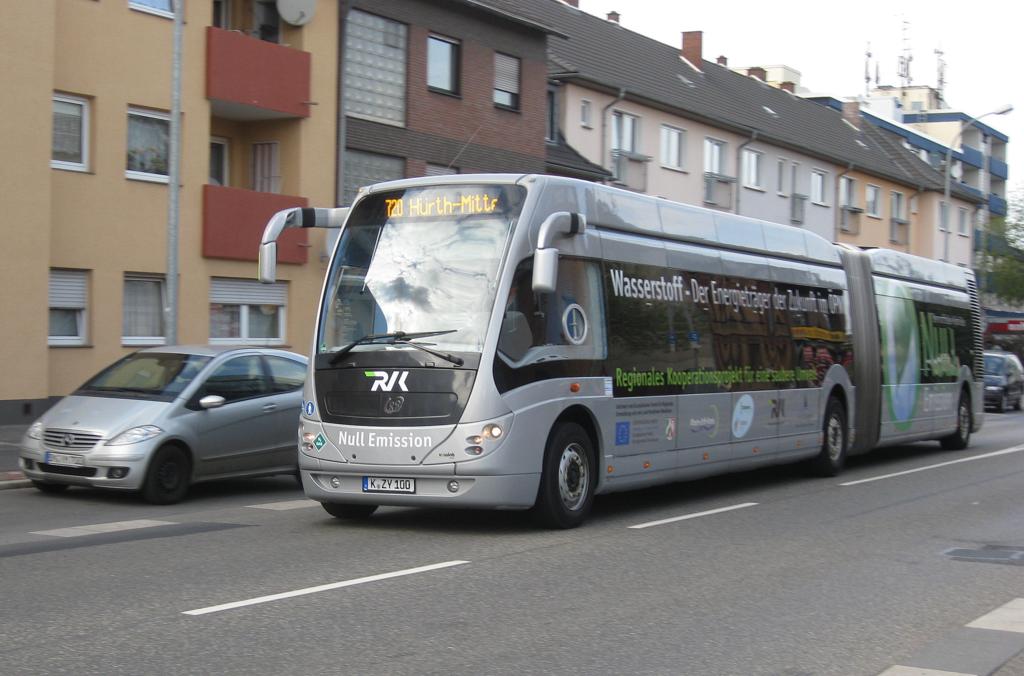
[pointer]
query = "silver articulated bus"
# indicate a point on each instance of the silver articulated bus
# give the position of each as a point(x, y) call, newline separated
point(526, 341)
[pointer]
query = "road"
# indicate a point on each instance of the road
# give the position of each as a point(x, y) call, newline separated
point(771, 573)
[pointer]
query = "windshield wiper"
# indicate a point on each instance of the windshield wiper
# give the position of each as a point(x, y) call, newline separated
point(396, 337)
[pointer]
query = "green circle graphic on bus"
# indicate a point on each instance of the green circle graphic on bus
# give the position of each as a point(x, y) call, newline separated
point(900, 355)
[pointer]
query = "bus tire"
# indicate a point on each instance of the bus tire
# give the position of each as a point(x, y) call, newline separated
point(958, 440)
point(168, 476)
point(351, 512)
point(830, 461)
point(566, 491)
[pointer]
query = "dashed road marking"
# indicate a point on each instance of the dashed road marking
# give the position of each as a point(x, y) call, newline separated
point(286, 504)
point(917, 671)
point(78, 531)
point(1005, 451)
point(684, 517)
point(323, 587)
point(1009, 617)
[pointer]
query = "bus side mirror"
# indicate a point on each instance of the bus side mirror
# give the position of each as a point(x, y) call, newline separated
point(545, 270)
point(268, 262)
point(545, 258)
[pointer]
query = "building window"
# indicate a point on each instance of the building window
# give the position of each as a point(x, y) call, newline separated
point(266, 168)
point(713, 151)
point(222, 14)
point(794, 176)
point(673, 144)
point(818, 187)
point(780, 177)
point(219, 161)
point(68, 292)
point(506, 81)
point(363, 168)
point(266, 20)
point(375, 68)
point(148, 145)
point(752, 168)
point(871, 201)
point(143, 310)
point(847, 196)
point(585, 112)
point(246, 311)
point(70, 133)
point(551, 131)
point(443, 64)
point(943, 216)
point(962, 221)
point(440, 170)
point(625, 132)
point(898, 206)
point(158, 7)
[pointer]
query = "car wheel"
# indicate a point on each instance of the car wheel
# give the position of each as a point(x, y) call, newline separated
point(348, 511)
point(958, 440)
point(47, 487)
point(1004, 403)
point(832, 457)
point(566, 490)
point(167, 478)
point(1017, 404)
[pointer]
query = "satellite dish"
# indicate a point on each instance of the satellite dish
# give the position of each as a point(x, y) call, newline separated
point(296, 12)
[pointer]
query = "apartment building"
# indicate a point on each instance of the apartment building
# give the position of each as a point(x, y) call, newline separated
point(85, 256)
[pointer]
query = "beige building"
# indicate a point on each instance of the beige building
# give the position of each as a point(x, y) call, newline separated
point(85, 239)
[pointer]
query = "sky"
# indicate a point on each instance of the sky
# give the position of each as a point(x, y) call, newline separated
point(826, 42)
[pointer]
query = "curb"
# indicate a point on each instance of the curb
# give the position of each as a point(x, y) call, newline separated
point(13, 480)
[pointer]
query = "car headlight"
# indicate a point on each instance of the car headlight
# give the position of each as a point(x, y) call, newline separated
point(35, 431)
point(135, 435)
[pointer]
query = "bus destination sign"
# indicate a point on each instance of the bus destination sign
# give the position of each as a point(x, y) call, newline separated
point(442, 203)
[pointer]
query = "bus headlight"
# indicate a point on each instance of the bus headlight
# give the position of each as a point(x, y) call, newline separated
point(492, 431)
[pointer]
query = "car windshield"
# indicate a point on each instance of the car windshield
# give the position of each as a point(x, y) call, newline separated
point(994, 364)
point(160, 376)
point(419, 260)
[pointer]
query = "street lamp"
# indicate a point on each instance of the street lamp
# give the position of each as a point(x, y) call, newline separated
point(1002, 110)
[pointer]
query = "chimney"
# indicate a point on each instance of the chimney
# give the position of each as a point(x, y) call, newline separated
point(613, 16)
point(757, 72)
point(722, 61)
point(851, 112)
point(573, 3)
point(693, 50)
point(788, 86)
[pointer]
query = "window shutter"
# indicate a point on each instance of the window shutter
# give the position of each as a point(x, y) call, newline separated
point(68, 289)
point(246, 292)
point(506, 73)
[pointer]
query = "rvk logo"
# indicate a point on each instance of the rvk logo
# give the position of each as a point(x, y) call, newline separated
point(385, 382)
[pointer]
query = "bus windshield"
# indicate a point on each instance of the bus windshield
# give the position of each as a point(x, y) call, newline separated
point(418, 260)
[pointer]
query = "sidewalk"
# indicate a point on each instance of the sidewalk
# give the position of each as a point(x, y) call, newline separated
point(10, 438)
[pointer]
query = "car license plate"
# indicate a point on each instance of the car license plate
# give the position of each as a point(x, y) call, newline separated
point(377, 484)
point(64, 459)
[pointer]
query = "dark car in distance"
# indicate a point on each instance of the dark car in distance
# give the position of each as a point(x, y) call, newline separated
point(1004, 380)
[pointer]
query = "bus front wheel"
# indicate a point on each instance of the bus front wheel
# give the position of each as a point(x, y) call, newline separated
point(567, 481)
point(830, 461)
point(961, 437)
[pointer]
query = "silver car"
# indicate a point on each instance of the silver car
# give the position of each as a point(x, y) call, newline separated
point(161, 419)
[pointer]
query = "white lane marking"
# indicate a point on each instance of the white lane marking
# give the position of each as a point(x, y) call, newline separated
point(692, 516)
point(1005, 451)
point(323, 587)
point(286, 504)
point(900, 670)
point(1009, 617)
point(78, 531)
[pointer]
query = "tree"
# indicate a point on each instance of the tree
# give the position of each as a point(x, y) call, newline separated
point(1002, 253)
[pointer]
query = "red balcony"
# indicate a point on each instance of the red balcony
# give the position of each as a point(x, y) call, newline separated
point(250, 79)
point(233, 222)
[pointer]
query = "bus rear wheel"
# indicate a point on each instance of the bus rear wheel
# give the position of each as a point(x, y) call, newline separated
point(830, 461)
point(566, 490)
point(958, 440)
point(348, 511)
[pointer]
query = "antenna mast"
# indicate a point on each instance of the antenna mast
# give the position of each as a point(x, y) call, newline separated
point(867, 70)
point(941, 86)
point(906, 57)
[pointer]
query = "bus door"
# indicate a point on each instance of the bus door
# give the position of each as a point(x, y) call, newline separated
point(746, 354)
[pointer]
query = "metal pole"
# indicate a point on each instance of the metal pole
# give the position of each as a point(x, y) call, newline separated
point(174, 179)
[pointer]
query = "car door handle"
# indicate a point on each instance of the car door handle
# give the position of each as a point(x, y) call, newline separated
point(267, 408)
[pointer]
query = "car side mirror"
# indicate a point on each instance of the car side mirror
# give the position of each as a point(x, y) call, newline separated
point(212, 401)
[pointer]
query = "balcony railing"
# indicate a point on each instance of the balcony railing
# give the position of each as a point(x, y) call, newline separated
point(234, 219)
point(797, 208)
point(630, 169)
point(718, 189)
point(998, 168)
point(996, 205)
point(250, 79)
point(899, 231)
point(849, 219)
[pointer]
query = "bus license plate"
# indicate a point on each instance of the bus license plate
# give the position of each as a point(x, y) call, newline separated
point(64, 459)
point(377, 484)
